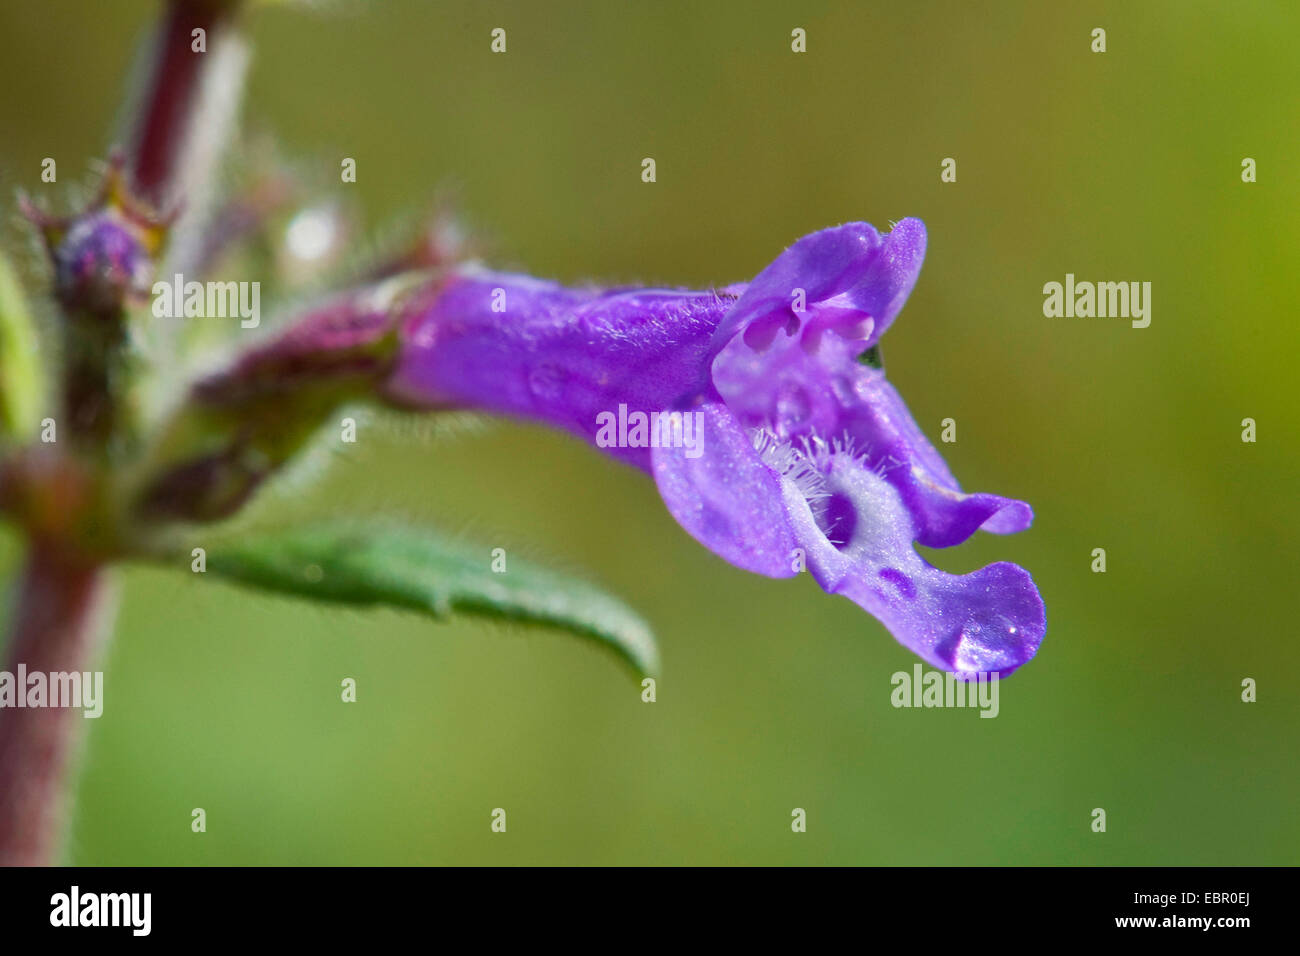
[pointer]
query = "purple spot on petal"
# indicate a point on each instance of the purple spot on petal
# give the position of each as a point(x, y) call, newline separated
point(838, 520)
point(900, 581)
point(760, 333)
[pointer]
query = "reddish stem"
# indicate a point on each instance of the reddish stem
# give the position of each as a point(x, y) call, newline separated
point(55, 626)
point(167, 113)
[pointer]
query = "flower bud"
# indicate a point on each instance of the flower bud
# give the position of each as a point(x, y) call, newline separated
point(103, 257)
point(101, 265)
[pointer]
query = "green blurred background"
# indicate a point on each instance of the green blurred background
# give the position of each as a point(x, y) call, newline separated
point(1115, 166)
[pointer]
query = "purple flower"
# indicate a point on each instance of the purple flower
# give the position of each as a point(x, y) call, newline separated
point(787, 451)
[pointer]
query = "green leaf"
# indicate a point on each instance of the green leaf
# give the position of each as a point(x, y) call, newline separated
point(20, 382)
point(425, 571)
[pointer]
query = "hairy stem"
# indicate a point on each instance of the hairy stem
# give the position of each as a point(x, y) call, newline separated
point(55, 628)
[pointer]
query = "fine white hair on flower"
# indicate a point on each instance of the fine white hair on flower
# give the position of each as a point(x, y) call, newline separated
point(823, 453)
point(793, 463)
